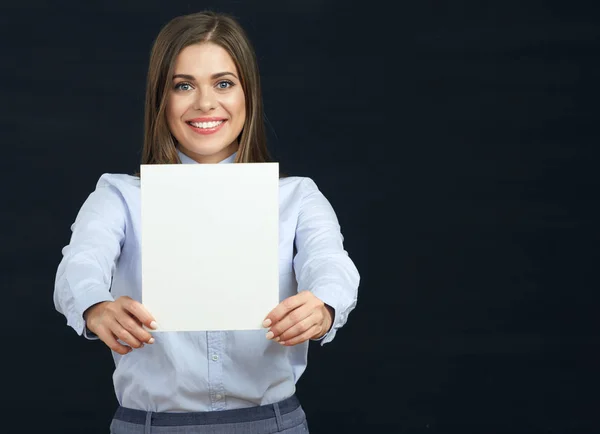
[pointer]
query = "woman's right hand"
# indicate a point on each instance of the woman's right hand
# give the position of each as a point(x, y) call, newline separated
point(120, 319)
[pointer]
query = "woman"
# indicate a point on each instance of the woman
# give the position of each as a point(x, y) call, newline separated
point(204, 106)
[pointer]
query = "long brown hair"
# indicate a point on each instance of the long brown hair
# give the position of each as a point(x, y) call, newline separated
point(180, 32)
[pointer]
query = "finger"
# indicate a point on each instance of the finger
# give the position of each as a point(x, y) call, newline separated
point(313, 331)
point(134, 327)
point(292, 319)
point(300, 327)
point(138, 310)
point(120, 332)
point(111, 342)
point(283, 308)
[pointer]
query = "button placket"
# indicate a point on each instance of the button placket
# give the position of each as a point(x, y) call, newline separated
point(215, 343)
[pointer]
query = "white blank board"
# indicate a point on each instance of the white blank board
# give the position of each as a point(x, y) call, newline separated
point(210, 235)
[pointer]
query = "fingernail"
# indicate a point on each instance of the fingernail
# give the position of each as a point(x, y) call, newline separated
point(277, 339)
point(153, 325)
point(282, 342)
point(267, 322)
point(151, 341)
point(270, 335)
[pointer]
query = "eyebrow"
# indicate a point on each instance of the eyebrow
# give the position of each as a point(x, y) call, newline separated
point(214, 76)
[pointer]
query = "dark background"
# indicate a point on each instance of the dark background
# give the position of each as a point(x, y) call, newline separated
point(458, 144)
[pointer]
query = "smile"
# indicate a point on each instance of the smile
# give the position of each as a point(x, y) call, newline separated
point(206, 127)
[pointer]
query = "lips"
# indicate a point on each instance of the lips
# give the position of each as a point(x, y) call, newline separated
point(206, 125)
point(211, 124)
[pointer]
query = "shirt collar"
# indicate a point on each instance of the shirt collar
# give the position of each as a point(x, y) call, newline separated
point(187, 160)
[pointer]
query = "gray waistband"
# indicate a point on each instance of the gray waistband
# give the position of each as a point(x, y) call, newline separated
point(210, 417)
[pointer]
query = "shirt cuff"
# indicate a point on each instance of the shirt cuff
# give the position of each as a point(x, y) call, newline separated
point(89, 335)
point(76, 320)
point(328, 337)
point(330, 301)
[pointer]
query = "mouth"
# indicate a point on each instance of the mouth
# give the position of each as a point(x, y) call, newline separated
point(209, 127)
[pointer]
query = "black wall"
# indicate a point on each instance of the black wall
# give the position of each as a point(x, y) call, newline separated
point(458, 144)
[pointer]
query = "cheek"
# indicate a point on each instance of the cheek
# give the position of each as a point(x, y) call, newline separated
point(170, 115)
point(235, 104)
point(239, 109)
point(174, 111)
point(243, 110)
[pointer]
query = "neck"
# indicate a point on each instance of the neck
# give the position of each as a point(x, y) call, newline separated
point(213, 158)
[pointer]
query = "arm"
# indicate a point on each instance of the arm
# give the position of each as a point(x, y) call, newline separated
point(84, 274)
point(322, 265)
point(327, 278)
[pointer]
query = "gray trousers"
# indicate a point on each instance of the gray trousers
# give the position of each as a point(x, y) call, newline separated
point(283, 417)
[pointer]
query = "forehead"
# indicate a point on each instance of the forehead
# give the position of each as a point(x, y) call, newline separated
point(204, 59)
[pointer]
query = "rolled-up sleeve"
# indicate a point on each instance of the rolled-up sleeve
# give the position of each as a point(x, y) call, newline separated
point(85, 272)
point(321, 264)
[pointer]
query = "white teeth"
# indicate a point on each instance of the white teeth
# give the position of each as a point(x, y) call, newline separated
point(206, 124)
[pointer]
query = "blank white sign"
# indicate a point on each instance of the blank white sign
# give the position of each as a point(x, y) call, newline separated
point(210, 235)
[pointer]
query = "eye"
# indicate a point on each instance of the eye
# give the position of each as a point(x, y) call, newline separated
point(224, 84)
point(183, 86)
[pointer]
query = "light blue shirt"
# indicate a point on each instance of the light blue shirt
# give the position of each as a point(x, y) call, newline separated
point(203, 371)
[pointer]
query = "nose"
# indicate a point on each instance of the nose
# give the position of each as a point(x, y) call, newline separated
point(205, 101)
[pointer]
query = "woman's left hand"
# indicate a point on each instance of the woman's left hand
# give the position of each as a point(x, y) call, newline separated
point(299, 318)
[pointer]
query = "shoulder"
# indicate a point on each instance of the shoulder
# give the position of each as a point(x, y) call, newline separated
point(300, 190)
point(117, 189)
point(118, 184)
point(111, 197)
point(118, 181)
point(299, 184)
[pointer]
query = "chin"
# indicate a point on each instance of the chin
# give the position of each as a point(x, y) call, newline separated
point(205, 149)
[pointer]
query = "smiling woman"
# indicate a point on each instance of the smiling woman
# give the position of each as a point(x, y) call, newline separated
point(204, 106)
point(203, 66)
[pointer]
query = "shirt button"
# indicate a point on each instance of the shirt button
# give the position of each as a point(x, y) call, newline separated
point(218, 396)
point(215, 357)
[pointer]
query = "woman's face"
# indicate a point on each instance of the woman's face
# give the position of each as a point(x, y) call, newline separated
point(206, 106)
